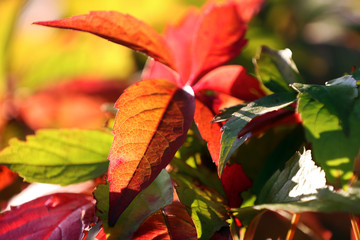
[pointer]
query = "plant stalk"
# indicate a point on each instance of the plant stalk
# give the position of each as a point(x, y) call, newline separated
point(355, 227)
point(294, 222)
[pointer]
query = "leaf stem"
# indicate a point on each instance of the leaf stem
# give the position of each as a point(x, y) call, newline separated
point(294, 223)
point(355, 227)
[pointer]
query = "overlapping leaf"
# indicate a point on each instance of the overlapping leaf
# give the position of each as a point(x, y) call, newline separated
point(276, 69)
point(63, 157)
point(151, 124)
point(219, 38)
point(301, 187)
point(56, 216)
point(171, 222)
point(232, 128)
point(232, 80)
point(154, 115)
point(338, 97)
point(205, 109)
point(205, 205)
point(333, 150)
point(122, 29)
point(235, 182)
point(156, 196)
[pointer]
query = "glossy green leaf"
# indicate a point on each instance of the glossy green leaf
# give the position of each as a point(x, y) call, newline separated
point(190, 161)
point(199, 172)
point(276, 69)
point(64, 156)
point(229, 139)
point(299, 180)
point(338, 97)
point(332, 149)
point(227, 113)
point(277, 146)
point(156, 196)
point(301, 187)
point(205, 205)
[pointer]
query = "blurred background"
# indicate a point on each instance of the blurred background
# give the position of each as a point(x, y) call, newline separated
point(53, 78)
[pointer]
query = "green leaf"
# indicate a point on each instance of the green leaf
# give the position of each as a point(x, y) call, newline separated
point(332, 149)
point(157, 195)
point(226, 113)
point(192, 159)
point(276, 69)
point(301, 187)
point(205, 205)
point(64, 156)
point(356, 75)
point(338, 97)
point(229, 140)
point(300, 180)
point(200, 173)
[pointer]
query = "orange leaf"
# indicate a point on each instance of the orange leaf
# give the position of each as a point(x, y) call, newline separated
point(151, 124)
point(172, 222)
point(119, 28)
point(206, 108)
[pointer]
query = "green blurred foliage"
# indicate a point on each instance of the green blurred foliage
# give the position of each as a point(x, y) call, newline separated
point(324, 36)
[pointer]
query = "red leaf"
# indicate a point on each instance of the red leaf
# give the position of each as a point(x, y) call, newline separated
point(209, 131)
point(248, 8)
point(56, 216)
point(269, 120)
point(209, 38)
point(206, 108)
point(7, 177)
point(219, 38)
point(157, 70)
point(232, 80)
point(235, 181)
point(122, 29)
point(151, 124)
point(101, 235)
point(180, 38)
point(172, 222)
point(69, 104)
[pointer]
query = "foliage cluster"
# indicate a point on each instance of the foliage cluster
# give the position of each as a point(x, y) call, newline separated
point(197, 149)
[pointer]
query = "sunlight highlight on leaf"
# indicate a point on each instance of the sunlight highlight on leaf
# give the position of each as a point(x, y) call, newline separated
point(122, 29)
point(151, 124)
point(65, 156)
